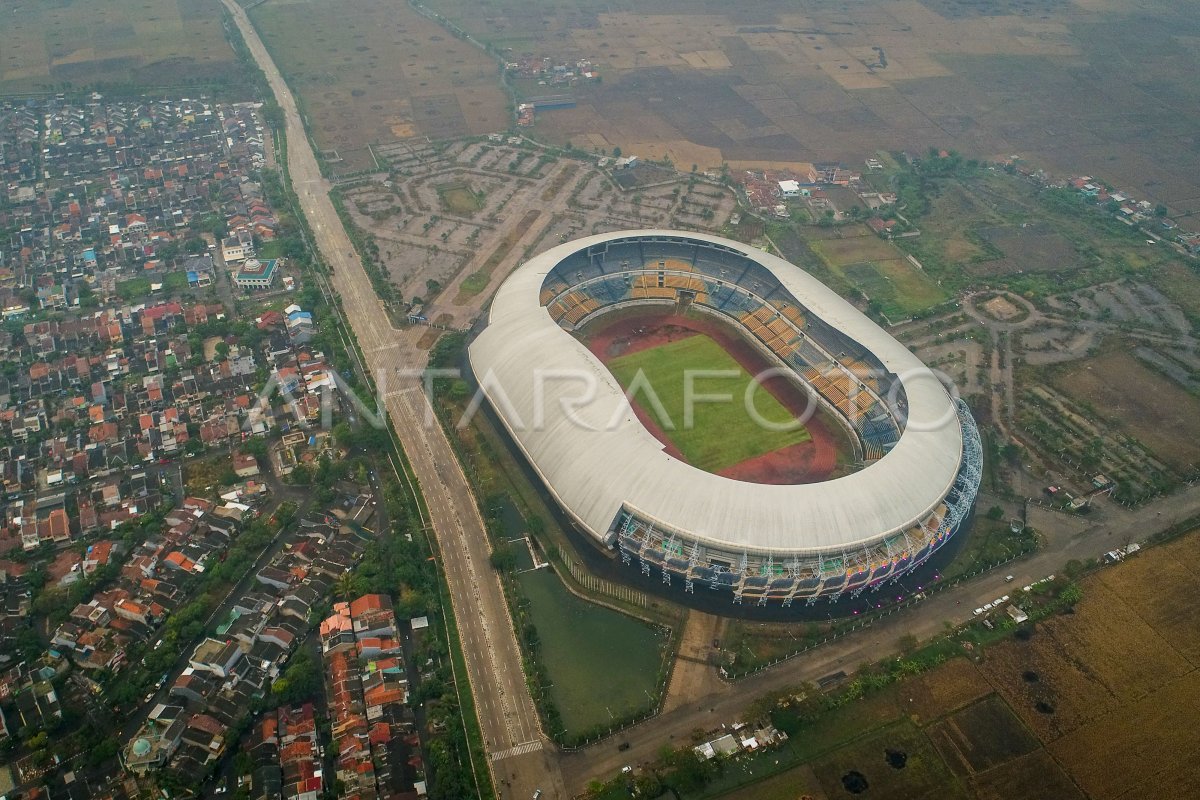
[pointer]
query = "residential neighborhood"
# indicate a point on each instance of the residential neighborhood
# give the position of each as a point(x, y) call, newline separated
point(167, 397)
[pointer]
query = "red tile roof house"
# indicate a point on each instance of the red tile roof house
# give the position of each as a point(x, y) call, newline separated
point(244, 465)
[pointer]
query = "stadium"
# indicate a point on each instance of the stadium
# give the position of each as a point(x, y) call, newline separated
point(579, 360)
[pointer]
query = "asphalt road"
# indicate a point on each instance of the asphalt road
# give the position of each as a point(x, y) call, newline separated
point(519, 758)
point(517, 755)
point(1113, 526)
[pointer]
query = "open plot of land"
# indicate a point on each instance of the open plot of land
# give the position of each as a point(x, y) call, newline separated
point(1119, 754)
point(981, 736)
point(1034, 777)
point(370, 72)
point(1112, 670)
point(1146, 405)
point(710, 435)
point(922, 775)
point(951, 687)
point(154, 43)
point(898, 288)
point(1163, 589)
point(1032, 248)
point(773, 81)
point(1038, 242)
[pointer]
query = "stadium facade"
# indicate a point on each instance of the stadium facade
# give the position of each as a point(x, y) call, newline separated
point(917, 445)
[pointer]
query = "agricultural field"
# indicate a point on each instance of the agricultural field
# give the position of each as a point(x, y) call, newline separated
point(716, 435)
point(773, 82)
point(372, 72)
point(1077, 708)
point(54, 46)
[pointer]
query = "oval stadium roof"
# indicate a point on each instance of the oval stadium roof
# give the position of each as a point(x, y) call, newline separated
point(597, 456)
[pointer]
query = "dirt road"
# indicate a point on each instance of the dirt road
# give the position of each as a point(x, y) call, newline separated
point(519, 761)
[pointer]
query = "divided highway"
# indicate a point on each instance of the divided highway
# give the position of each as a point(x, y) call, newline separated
point(518, 755)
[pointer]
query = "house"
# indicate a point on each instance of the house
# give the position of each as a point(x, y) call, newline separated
point(233, 251)
point(789, 189)
point(244, 465)
point(215, 657)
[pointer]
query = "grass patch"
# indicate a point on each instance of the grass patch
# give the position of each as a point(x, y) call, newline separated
point(459, 198)
point(473, 284)
point(498, 255)
point(271, 249)
point(988, 542)
point(717, 434)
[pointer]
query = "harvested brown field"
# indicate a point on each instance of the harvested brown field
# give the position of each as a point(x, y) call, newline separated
point(923, 774)
point(52, 46)
point(1026, 248)
point(854, 249)
point(371, 72)
point(1117, 717)
point(1123, 754)
point(949, 688)
point(1162, 588)
point(1140, 402)
point(823, 82)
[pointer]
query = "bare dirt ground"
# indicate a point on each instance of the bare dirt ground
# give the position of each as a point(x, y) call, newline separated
point(372, 72)
point(694, 675)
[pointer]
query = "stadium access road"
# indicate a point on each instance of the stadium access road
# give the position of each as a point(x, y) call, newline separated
point(1115, 527)
point(518, 759)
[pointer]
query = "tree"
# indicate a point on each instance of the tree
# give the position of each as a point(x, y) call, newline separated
point(1071, 595)
point(299, 682)
point(1160, 210)
point(995, 513)
point(503, 559)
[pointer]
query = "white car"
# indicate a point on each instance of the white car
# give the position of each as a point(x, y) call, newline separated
point(987, 606)
point(1004, 599)
point(625, 770)
point(978, 611)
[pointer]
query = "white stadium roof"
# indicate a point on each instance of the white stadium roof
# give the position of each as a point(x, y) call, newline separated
point(593, 466)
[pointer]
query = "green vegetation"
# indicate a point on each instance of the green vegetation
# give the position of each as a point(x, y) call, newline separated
point(898, 706)
point(895, 289)
point(989, 226)
point(459, 198)
point(473, 284)
point(988, 542)
point(710, 435)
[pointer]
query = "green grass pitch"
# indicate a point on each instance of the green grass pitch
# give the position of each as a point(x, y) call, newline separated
point(722, 434)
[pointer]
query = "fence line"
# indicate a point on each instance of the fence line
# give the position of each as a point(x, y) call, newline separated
point(865, 621)
point(594, 584)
